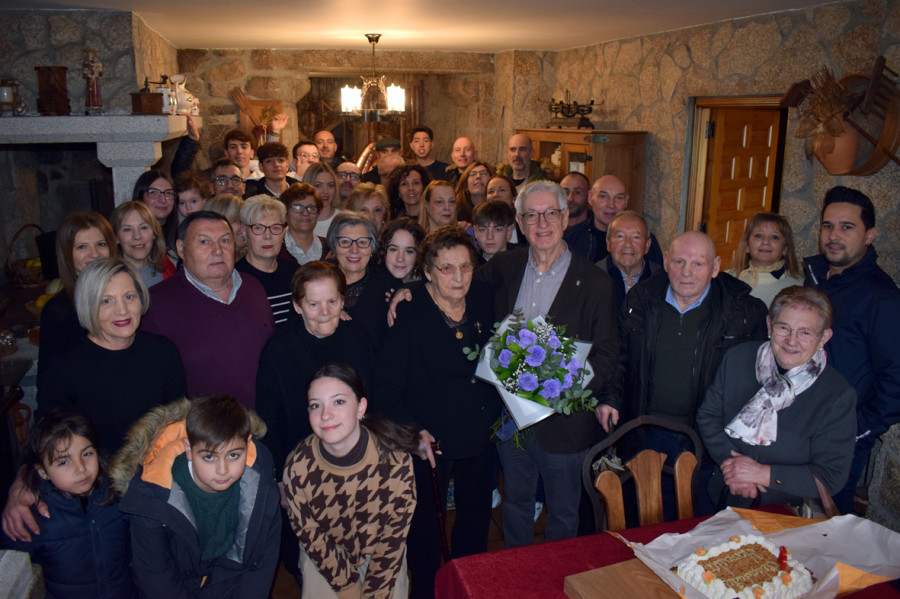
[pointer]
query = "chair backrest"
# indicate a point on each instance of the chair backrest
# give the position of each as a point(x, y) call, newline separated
point(646, 468)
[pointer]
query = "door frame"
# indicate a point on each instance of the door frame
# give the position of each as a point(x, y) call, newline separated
point(699, 149)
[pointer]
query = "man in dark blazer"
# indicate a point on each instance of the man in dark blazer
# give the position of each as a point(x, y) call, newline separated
point(547, 279)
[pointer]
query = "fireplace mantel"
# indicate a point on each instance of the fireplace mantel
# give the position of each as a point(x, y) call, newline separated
point(128, 144)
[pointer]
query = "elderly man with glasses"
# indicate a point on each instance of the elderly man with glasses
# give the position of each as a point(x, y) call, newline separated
point(547, 279)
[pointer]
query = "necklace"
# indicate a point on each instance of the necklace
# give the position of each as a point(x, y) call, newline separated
point(454, 324)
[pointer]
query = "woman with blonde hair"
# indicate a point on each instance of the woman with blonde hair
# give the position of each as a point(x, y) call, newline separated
point(439, 206)
point(765, 258)
point(141, 242)
point(371, 200)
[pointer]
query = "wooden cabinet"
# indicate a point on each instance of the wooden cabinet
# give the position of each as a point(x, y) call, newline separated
point(594, 153)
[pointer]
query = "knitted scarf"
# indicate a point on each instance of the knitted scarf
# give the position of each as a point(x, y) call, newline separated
point(750, 274)
point(757, 422)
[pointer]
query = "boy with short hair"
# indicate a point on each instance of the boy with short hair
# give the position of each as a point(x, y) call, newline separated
point(193, 192)
point(204, 505)
point(239, 148)
point(492, 225)
point(274, 163)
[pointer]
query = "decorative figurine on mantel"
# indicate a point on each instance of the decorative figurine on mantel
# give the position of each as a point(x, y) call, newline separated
point(92, 70)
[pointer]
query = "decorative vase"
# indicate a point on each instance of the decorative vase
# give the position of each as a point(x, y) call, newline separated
point(184, 100)
point(837, 154)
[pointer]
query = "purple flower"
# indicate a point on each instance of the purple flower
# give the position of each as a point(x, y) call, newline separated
point(527, 338)
point(567, 381)
point(527, 381)
point(573, 366)
point(536, 355)
point(550, 389)
point(504, 357)
point(554, 341)
point(510, 339)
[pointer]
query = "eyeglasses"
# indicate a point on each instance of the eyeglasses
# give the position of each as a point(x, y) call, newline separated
point(259, 229)
point(223, 180)
point(449, 269)
point(551, 216)
point(479, 174)
point(804, 335)
point(299, 208)
point(362, 243)
point(314, 155)
point(154, 193)
point(351, 176)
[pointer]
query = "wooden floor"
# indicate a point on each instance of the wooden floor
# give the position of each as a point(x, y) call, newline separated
point(285, 586)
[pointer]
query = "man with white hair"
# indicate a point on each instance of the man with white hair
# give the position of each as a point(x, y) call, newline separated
point(548, 279)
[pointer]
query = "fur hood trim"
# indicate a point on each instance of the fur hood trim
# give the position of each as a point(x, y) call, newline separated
point(155, 441)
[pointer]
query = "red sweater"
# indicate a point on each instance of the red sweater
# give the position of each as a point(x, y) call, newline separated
point(219, 343)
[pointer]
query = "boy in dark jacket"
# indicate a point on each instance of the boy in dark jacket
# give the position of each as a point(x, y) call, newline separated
point(205, 517)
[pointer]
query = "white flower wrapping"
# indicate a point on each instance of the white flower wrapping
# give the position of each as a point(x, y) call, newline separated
point(526, 412)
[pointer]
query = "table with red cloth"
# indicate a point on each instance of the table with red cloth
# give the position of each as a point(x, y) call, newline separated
point(539, 571)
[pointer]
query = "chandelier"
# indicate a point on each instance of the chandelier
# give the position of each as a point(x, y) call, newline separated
point(373, 102)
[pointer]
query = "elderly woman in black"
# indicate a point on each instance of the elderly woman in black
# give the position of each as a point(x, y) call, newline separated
point(777, 415)
point(293, 355)
point(424, 379)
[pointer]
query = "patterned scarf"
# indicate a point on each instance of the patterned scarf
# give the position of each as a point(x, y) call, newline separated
point(750, 274)
point(757, 422)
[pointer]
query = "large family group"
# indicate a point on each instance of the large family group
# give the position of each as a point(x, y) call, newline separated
point(244, 367)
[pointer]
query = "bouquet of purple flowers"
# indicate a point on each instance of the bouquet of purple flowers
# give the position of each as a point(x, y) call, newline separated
point(536, 369)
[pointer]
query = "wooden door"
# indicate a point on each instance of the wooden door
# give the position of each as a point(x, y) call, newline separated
point(738, 172)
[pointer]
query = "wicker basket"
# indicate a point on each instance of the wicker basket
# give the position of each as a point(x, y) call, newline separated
point(20, 275)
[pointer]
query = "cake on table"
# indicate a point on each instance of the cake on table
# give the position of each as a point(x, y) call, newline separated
point(746, 567)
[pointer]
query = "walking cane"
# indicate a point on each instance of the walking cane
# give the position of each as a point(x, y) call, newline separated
point(439, 505)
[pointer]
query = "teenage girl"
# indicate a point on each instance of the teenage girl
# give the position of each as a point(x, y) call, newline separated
point(351, 493)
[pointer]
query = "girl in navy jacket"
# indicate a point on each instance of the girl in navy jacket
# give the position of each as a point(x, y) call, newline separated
point(84, 546)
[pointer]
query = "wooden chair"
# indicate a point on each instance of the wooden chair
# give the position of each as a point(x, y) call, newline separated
point(646, 469)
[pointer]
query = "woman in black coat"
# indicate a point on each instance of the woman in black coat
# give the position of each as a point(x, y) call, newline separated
point(424, 379)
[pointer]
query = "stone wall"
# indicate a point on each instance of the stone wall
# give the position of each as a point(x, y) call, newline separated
point(153, 54)
point(285, 75)
point(646, 83)
point(56, 38)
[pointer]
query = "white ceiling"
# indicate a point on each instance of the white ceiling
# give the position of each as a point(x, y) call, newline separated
point(450, 25)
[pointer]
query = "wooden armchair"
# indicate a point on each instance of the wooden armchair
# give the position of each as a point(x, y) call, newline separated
point(646, 470)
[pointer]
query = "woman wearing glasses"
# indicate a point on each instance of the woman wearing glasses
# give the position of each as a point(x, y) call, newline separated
point(263, 220)
point(156, 189)
point(472, 188)
point(301, 242)
point(776, 416)
point(424, 379)
point(353, 239)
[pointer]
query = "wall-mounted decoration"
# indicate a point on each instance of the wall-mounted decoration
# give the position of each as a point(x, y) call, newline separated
point(851, 125)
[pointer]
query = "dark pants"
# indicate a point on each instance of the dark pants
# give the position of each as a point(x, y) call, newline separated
point(844, 498)
point(472, 493)
point(561, 473)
